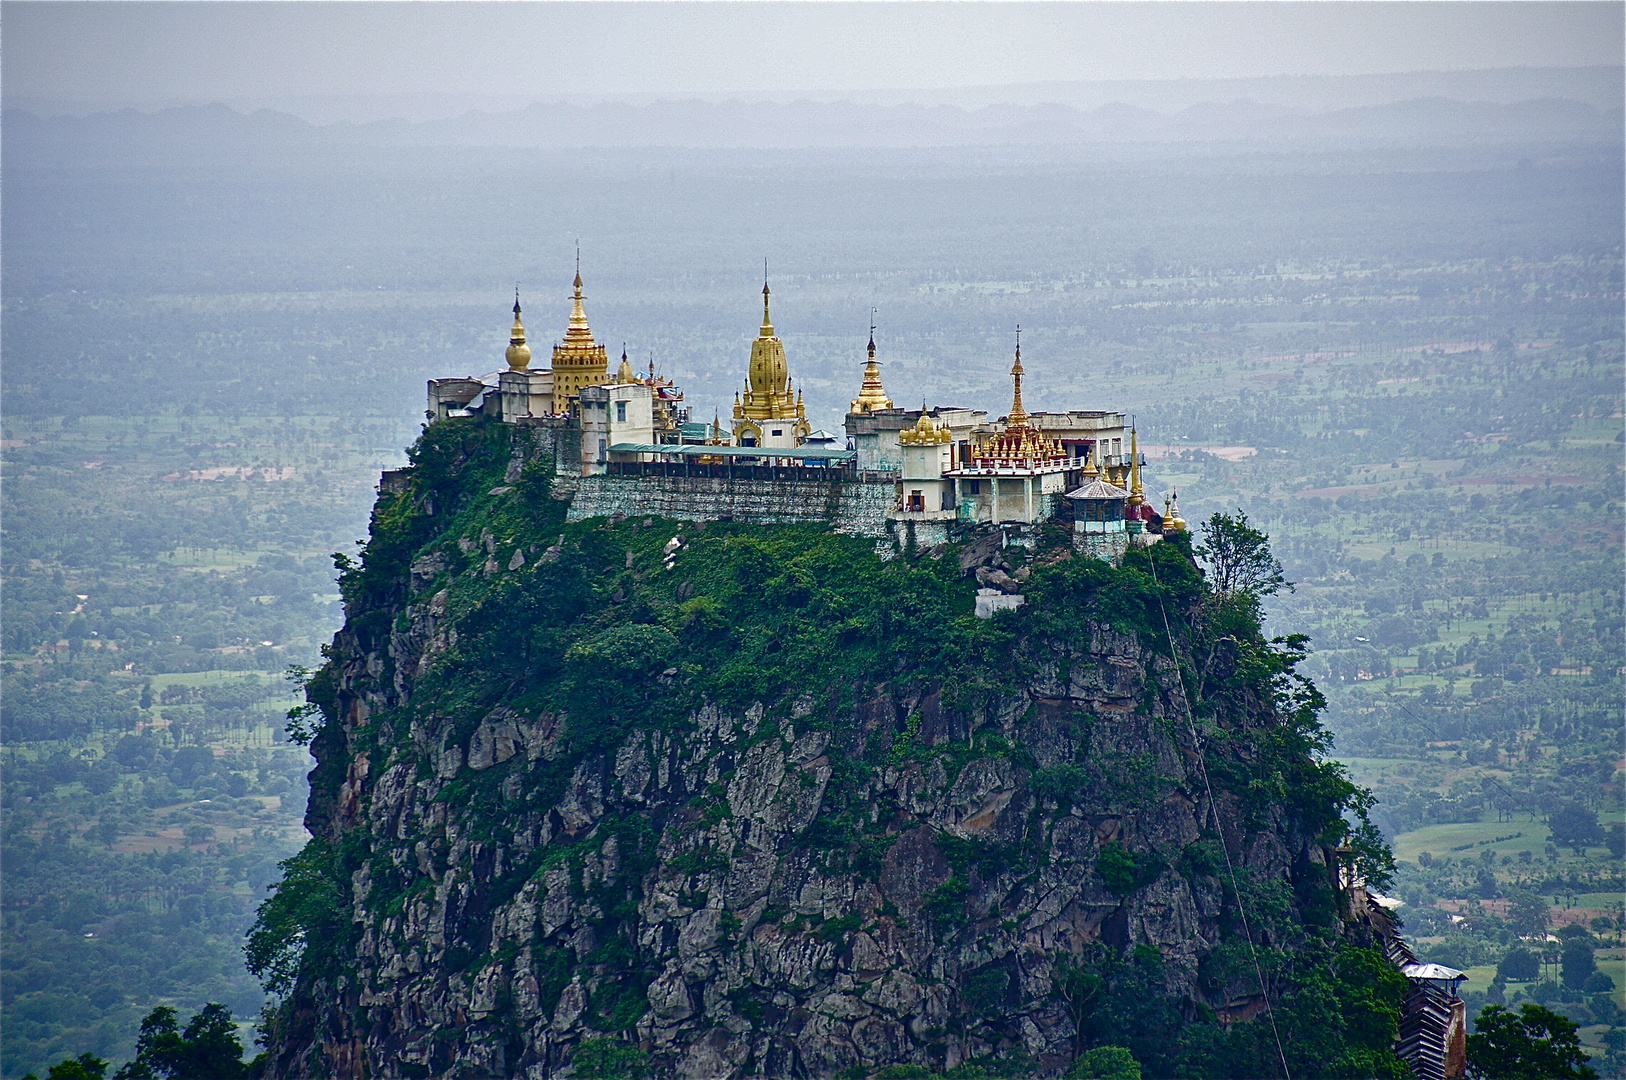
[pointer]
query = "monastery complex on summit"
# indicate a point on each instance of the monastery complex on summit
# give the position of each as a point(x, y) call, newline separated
point(624, 443)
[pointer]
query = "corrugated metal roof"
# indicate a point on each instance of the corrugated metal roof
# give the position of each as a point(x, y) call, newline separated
point(1098, 489)
point(1431, 971)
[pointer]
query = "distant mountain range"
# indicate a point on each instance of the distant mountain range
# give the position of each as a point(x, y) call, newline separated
point(1602, 87)
point(799, 124)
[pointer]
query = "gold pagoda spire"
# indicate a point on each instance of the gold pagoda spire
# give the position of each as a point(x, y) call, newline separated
point(624, 374)
point(579, 360)
point(769, 391)
point(519, 353)
point(1020, 442)
point(1019, 415)
point(578, 314)
point(1137, 494)
point(871, 394)
point(1172, 521)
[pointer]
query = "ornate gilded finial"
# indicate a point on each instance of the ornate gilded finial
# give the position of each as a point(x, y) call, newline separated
point(767, 323)
point(1173, 519)
point(871, 394)
point(1137, 494)
point(624, 374)
point(519, 353)
point(578, 314)
point(1019, 415)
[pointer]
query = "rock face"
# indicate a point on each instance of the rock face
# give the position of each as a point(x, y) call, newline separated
point(857, 873)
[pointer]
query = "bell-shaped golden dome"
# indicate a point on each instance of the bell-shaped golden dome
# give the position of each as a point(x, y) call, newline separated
point(519, 353)
point(926, 432)
point(871, 394)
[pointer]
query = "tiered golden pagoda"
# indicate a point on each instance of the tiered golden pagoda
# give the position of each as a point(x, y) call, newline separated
point(871, 395)
point(1020, 445)
point(769, 414)
point(579, 360)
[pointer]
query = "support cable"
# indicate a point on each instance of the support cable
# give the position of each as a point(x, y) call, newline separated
point(1202, 769)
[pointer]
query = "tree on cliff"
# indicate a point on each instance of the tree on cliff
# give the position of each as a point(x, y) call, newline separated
point(207, 1049)
point(1532, 1044)
point(1239, 558)
point(584, 730)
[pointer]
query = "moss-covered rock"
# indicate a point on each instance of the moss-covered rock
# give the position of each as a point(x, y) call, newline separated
point(761, 803)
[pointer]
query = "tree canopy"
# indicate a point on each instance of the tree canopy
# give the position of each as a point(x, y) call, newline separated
point(1239, 557)
point(1532, 1044)
point(207, 1049)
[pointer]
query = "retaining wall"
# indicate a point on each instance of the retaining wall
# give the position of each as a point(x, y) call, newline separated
point(852, 506)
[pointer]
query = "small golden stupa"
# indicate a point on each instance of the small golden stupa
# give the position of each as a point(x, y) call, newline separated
point(871, 395)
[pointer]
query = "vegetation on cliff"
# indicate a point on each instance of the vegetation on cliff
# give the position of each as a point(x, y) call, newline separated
point(475, 605)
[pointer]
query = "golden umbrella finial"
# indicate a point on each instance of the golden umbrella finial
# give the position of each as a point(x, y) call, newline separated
point(1019, 415)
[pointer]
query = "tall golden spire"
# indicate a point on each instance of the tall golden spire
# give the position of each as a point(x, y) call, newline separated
point(871, 394)
point(1137, 494)
point(519, 353)
point(578, 314)
point(767, 323)
point(1019, 415)
point(1020, 443)
point(579, 360)
point(769, 393)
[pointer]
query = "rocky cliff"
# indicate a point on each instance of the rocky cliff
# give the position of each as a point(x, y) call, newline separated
point(724, 801)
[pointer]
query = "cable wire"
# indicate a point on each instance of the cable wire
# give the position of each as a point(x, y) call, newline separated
point(1202, 769)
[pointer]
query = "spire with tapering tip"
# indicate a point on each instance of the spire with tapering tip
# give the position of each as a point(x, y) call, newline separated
point(1019, 415)
point(1137, 494)
point(871, 394)
point(519, 353)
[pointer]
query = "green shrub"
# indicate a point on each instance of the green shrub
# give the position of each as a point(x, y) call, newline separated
point(609, 1059)
point(1117, 868)
point(1105, 1063)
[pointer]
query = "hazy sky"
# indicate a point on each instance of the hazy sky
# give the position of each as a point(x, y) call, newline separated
point(141, 53)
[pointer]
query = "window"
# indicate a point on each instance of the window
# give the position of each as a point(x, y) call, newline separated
point(917, 501)
point(621, 412)
point(778, 431)
point(976, 487)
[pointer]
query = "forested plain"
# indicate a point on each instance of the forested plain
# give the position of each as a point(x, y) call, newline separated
point(1404, 362)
